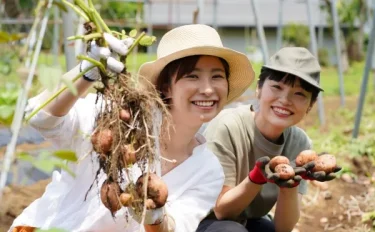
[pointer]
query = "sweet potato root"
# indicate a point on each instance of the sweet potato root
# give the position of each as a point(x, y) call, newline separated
point(150, 204)
point(326, 163)
point(305, 157)
point(128, 155)
point(285, 171)
point(124, 115)
point(157, 190)
point(126, 199)
point(109, 195)
point(102, 141)
point(278, 160)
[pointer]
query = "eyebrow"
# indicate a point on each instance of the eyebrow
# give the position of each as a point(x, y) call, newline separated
point(212, 70)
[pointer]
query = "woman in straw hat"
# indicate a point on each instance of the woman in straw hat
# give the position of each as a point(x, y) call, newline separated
point(196, 77)
point(245, 138)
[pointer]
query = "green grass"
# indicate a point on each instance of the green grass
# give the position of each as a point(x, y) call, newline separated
point(352, 80)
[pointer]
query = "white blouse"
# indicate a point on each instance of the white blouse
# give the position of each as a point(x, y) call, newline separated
point(193, 186)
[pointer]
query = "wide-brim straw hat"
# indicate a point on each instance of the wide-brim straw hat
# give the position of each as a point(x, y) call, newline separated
point(199, 39)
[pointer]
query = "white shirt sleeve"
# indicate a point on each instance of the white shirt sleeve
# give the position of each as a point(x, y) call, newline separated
point(63, 132)
point(190, 208)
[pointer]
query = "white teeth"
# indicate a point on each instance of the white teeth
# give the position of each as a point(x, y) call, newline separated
point(281, 111)
point(204, 103)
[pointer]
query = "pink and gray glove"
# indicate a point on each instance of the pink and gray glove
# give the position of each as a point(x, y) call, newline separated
point(261, 174)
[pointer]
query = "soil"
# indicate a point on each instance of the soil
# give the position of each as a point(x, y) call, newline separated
point(16, 199)
point(339, 208)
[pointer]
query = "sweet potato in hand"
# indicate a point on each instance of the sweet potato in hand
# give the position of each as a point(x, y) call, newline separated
point(157, 189)
point(326, 163)
point(278, 160)
point(285, 171)
point(305, 157)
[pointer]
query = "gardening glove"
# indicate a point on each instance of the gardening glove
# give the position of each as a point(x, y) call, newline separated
point(261, 174)
point(153, 216)
point(115, 47)
point(307, 173)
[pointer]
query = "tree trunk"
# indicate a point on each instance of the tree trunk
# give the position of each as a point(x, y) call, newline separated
point(354, 50)
point(12, 8)
point(344, 53)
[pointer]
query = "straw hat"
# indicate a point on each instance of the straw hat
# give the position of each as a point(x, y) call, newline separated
point(198, 39)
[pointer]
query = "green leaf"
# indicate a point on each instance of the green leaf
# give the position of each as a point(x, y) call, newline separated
point(147, 40)
point(70, 85)
point(133, 33)
point(65, 168)
point(51, 230)
point(5, 68)
point(6, 37)
point(9, 96)
point(6, 112)
point(44, 165)
point(368, 216)
point(66, 155)
point(25, 157)
point(49, 76)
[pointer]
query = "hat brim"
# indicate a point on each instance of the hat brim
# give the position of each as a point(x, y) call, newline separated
point(241, 71)
point(296, 73)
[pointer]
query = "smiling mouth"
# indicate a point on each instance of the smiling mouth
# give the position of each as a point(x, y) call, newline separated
point(204, 103)
point(281, 111)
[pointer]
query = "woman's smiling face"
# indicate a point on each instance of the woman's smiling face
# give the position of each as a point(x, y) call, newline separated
point(199, 95)
point(283, 105)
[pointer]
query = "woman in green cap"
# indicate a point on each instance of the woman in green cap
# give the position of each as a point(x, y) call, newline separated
point(245, 138)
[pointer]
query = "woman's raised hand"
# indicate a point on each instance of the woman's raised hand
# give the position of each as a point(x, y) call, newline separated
point(94, 51)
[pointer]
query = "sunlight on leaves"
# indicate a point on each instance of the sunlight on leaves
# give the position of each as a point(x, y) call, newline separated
point(133, 33)
point(66, 155)
point(147, 40)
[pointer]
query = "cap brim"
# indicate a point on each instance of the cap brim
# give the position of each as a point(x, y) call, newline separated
point(241, 71)
point(296, 73)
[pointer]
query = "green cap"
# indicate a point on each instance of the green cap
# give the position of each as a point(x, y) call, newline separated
point(297, 61)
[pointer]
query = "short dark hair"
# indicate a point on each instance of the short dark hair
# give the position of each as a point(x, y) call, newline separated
point(290, 80)
point(181, 67)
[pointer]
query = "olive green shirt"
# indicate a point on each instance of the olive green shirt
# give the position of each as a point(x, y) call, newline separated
point(236, 141)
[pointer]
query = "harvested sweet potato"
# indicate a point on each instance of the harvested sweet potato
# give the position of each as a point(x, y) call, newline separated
point(109, 194)
point(305, 157)
point(285, 171)
point(124, 115)
point(157, 190)
point(150, 204)
point(102, 141)
point(126, 199)
point(278, 160)
point(326, 163)
point(128, 155)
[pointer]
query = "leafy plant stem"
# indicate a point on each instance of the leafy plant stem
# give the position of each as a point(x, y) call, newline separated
point(77, 10)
